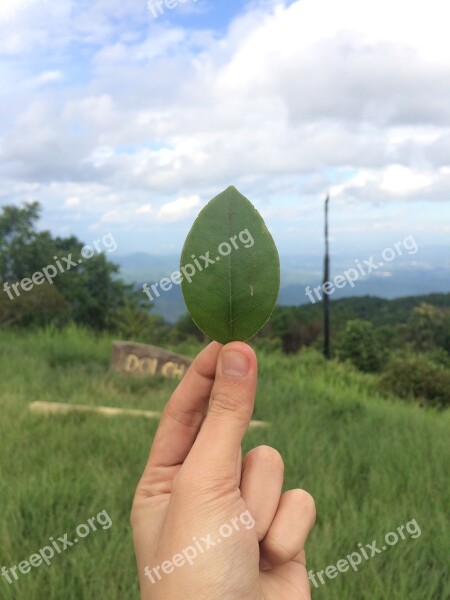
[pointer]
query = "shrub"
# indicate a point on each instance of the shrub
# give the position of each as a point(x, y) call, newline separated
point(133, 322)
point(361, 344)
point(418, 377)
point(429, 328)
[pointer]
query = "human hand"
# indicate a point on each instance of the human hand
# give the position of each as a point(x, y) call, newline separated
point(207, 525)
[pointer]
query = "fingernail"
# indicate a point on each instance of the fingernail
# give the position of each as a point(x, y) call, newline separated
point(235, 364)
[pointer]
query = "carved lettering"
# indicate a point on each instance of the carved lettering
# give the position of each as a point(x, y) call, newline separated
point(149, 361)
point(173, 370)
point(149, 366)
point(132, 363)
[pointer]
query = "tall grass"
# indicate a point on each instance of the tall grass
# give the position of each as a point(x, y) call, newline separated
point(372, 464)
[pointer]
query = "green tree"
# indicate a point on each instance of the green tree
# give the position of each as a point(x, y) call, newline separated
point(293, 327)
point(23, 250)
point(185, 328)
point(88, 292)
point(40, 307)
point(133, 321)
point(361, 344)
point(429, 328)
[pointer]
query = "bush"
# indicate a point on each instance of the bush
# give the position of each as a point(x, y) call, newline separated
point(418, 377)
point(39, 307)
point(294, 331)
point(429, 328)
point(186, 329)
point(361, 344)
point(136, 323)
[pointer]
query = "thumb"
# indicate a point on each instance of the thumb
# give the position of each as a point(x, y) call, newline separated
point(218, 443)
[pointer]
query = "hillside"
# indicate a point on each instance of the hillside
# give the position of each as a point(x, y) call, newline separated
point(380, 311)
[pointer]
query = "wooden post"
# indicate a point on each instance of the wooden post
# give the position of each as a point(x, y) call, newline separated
point(326, 278)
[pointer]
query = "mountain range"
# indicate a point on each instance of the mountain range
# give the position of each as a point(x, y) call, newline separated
point(406, 275)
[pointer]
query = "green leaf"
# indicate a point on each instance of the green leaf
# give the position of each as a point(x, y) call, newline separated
point(230, 268)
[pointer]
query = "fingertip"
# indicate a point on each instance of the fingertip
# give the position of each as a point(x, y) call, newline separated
point(205, 362)
point(240, 347)
point(237, 359)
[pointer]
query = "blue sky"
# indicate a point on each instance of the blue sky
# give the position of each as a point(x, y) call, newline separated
point(120, 122)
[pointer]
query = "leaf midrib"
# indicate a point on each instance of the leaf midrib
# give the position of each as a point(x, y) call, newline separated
point(230, 263)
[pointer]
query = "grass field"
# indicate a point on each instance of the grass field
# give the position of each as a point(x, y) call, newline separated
point(372, 464)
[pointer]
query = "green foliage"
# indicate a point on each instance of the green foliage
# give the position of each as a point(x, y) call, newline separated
point(293, 332)
point(418, 377)
point(185, 329)
point(39, 307)
point(429, 328)
point(88, 293)
point(232, 297)
point(135, 323)
point(300, 326)
point(422, 329)
point(20, 244)
point(361, 344)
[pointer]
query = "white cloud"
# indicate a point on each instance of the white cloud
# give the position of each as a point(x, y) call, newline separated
point(146, 209)
point(43, 79)
point(130, 213)
point(72, 202)
point(178, 209)
point(397, 179)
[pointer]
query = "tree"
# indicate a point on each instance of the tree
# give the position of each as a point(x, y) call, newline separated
point(361, 344)
point(429, 328)
point(294, 328)
point(88, 292)
point(135, 322)
point(23, 250)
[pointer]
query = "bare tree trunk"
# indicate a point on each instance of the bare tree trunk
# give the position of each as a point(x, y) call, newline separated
point(326, 299)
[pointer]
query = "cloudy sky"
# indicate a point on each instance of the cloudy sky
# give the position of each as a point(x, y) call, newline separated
point(127, 118)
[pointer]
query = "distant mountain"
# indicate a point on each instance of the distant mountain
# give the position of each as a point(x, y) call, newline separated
point(409, 275)
point(399, 283)
point(145, 267)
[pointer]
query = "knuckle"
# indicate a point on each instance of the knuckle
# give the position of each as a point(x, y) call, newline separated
point(190, 418)
point(226, 401)
point(277, 550)
point(198, 489)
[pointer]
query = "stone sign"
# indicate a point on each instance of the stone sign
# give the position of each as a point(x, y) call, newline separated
point(142, 359)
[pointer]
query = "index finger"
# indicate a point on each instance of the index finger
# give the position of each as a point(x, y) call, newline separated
point(184, 413)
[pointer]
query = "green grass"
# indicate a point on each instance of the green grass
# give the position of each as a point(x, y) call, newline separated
point(372, 464)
